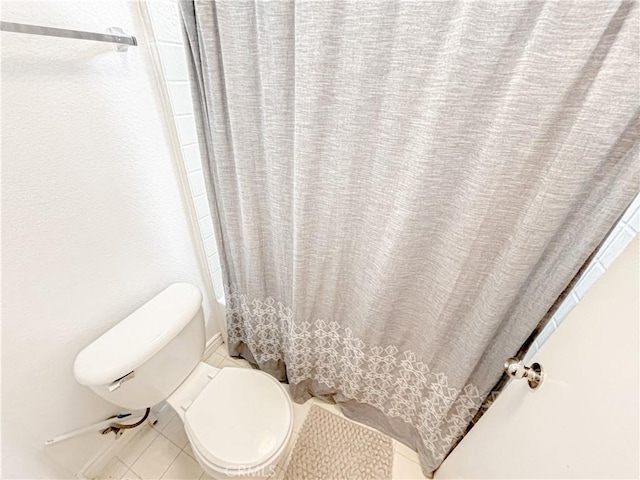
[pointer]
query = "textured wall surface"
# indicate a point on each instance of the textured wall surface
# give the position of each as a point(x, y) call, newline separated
point(94, 217)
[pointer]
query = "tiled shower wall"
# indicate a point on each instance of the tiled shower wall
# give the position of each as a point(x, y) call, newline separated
point(164, 19)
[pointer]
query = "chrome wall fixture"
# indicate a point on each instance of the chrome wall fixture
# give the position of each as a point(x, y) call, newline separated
point(516, 369)
point(113, 35)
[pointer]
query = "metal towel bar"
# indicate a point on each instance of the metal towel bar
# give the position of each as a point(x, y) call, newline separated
point(114, 35)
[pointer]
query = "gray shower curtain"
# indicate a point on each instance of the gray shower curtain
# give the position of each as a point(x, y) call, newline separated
point(402, 189)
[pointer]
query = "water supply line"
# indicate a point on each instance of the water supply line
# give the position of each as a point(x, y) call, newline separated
point(104, 426)
point(116, 427)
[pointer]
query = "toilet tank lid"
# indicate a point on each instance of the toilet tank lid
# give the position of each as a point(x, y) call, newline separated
point(138, 337)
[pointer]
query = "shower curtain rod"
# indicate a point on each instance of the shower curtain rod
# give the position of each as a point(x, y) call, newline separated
point(115, 35)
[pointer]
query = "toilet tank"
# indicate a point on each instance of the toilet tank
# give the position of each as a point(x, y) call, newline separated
point(145, 357)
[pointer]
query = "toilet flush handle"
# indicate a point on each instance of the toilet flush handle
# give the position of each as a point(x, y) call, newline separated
point(116, 384)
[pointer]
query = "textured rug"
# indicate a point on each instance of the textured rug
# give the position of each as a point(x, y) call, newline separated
point(330, 447)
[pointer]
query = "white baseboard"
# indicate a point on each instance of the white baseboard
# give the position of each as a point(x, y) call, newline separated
point(212, 345)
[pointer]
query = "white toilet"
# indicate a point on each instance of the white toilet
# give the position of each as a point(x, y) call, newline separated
point(239, 421)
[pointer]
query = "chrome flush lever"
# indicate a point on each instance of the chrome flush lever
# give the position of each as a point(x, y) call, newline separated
point(516, 369)
point(116, 384)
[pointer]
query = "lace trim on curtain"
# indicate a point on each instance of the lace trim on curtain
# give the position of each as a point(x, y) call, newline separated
point(394, 382)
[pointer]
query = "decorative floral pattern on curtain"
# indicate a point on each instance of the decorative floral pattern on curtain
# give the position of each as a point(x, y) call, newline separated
point(395, 382)
point(403, 189)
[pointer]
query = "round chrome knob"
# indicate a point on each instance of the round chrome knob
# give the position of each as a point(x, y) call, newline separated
point(534, 374)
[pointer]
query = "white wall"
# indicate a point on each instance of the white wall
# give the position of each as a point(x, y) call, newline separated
point(621, 236)
point(94, 220)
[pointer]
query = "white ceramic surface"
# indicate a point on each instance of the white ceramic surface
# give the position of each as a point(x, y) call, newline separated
point(239, 421)
point(233, 432)
point(137, 338)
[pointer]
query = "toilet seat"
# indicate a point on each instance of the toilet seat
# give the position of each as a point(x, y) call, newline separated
point(240, 421)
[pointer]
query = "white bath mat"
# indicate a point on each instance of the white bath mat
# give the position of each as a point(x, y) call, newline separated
point(330, 447)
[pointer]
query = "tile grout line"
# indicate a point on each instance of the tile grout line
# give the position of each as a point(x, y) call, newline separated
point(174, 443)
point(169, 42)
point(140, 454)
point(172, 462)
point(182, 449)
point(170, 441)
point(629, 229)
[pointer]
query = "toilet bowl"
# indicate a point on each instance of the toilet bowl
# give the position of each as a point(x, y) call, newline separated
point(238, 421)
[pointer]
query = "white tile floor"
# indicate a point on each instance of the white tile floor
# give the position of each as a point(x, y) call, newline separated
point(163, 451)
